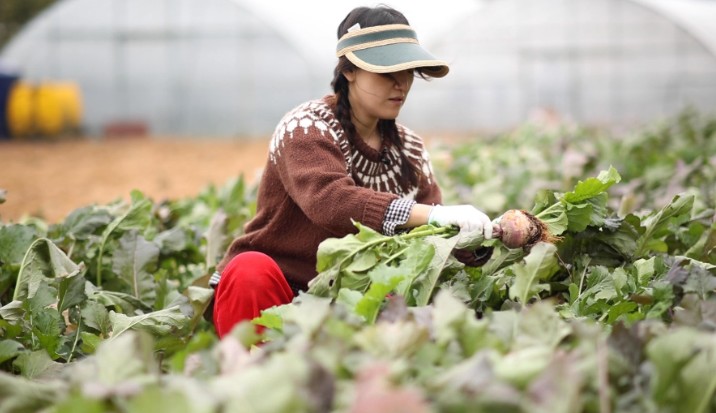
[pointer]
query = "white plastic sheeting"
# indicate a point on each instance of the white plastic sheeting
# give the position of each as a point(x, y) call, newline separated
point(209, 67)
point(601, 62)
point(233, 67)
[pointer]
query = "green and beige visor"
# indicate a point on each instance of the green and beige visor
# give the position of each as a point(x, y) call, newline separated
point(388, 48)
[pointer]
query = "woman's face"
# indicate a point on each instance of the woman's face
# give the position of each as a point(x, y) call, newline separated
point(376, 96)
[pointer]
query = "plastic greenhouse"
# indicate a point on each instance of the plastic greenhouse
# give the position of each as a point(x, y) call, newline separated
point(210, 67)
point(233, 67)
point(601, 62)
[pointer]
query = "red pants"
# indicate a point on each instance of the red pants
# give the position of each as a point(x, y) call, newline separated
point(251, 282)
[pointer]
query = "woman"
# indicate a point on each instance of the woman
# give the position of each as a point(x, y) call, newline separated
point(339, 159)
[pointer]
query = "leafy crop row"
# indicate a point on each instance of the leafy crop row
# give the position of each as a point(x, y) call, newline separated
point(102, 312)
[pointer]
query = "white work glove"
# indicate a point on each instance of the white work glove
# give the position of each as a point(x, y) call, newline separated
point(496, 230)
point(475, 226)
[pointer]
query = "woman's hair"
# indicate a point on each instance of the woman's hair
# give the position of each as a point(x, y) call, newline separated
point(369, 17)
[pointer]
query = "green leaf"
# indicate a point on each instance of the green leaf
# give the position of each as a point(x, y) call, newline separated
point(193, 302)
point(618, 310)
point(322, 284)
point(44, 296)
point(71, 291)
point(362, 263)
point(42, 262)
point(36, 364)
point(593, 186)
point(137, 217)
point(453, 321)
point(656, 225)
point(285, 377)
point(128, 304)
point(599, 212)
point(47, 326)
point(349, 298)
point(335, 254)
point(393, 340)
point(684, 362)
point(573, 293)
point(333, 251)
point(9, 349)
point(559, 388)
point(539, 265)
point(383, 280)
point(90, 342)
point(20, 394)
point(555, 217)
point(620, 279)
point(272, 317)
point(579, 216)
point(201, 341)
point(538, 325)
point(15, 240)
point(75, 402)
point(308, 312)
point(520, 367)
point(645, 270)
point(590, 212)
point(338, 259)
point(124, 357)
point(82, 223)
point(215, 237)
point(429, 265)
point(600, 285)
point(96, 316)
point(172, 241)
point(622, 240)
point(159, 323)
point(156, 399)
point(133, 262)
point(705, 248)
point(700, 281)
point(13, 311)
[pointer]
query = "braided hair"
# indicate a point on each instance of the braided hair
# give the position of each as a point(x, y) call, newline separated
point(369, 17)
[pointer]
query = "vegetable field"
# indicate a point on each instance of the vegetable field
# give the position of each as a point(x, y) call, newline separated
point(102, 312)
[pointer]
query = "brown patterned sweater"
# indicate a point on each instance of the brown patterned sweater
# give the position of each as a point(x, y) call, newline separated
point(315, 182)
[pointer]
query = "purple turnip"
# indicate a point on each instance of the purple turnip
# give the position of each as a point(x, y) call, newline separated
point(520, 229)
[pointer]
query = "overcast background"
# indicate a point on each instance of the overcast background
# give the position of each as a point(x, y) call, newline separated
point(314, 23)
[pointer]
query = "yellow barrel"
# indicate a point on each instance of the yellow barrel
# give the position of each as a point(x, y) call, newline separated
point(70, 100)
point(19, 110)
point(45, 109)
point(49, 116)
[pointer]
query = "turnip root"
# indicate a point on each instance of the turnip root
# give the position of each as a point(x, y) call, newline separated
point(520, 229)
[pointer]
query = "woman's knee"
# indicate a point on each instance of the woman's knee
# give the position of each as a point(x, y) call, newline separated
point(249, 270)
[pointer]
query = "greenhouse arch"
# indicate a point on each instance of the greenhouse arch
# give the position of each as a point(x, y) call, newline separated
point(598, 62)
point(182, 67)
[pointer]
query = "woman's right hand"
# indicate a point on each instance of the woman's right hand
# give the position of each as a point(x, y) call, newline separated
point(475, 226)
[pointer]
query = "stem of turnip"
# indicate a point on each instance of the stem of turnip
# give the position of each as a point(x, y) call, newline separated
point(428, 232)
point(547, 212)
point(396, 255)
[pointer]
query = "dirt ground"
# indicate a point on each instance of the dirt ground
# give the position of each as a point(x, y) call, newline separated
point(51, 179)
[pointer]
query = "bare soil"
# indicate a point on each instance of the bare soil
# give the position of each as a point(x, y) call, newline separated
point(49, 179)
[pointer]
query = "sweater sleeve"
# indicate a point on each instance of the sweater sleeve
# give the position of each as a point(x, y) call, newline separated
point(312, 168)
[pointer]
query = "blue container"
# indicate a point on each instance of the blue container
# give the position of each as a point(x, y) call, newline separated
point(6, 83)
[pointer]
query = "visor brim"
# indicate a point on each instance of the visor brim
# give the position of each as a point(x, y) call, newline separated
point(397, 57)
